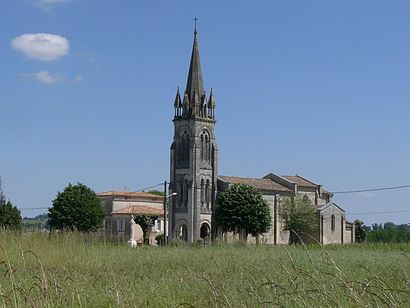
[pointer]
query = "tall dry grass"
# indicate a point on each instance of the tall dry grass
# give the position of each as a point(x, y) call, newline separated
point(69, 269)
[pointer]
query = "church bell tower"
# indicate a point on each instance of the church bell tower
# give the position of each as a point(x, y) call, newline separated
point(194, 158)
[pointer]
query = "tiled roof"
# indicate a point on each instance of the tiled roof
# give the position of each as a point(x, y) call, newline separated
point(138, 194)
point(299, 180)
point(139, 209)
point(263, 184)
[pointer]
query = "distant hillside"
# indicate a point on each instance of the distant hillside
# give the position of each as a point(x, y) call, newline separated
point(35, 223)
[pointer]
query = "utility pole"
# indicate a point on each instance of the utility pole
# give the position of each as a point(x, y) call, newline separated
point(165, 213)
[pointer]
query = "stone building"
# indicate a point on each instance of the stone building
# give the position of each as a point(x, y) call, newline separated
point(194, 156)
point(121, 205)
point(333, 227)
point(194, 175)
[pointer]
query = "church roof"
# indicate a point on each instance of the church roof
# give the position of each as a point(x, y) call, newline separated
point(139, 209)
point(263, 184)
point(195, 84)
point(300, 181)
point(130, 194)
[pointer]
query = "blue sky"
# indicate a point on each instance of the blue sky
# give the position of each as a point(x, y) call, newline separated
point(315, 88)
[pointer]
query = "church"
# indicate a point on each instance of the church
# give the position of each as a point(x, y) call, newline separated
point(195, 180)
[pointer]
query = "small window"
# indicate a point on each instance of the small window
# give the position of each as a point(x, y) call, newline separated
point(333, 223)
point(120, 225)
point(157, 225)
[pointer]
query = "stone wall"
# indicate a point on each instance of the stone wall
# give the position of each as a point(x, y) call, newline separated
point(336, 234)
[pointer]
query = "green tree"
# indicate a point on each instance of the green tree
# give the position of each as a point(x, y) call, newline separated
point(360, 234)
point(242, 208)
point(76, 208)
point(10, 216)
point(146, 222)
point(299, 217)
point(377, 226)
point(389, 225)
point(390, 233)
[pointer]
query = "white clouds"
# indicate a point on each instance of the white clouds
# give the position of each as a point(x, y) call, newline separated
point(42, 46)
point(45, 47)
point(47, 78)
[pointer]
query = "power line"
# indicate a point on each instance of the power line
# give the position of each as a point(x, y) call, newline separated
point(160, 184)
point(46, 208)
point(386, 212)
point(335, 192)
point(33, 208)
point(371, 189)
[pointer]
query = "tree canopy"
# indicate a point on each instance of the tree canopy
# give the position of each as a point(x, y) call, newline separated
point(299, 217)
point(10, 216)
point(242, 208)
point(76, 208)
point(360, 234)
point(145, 221)
point(388, 233)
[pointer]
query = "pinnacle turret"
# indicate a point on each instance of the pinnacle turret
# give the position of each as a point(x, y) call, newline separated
point(211, 101)
point(177, 102)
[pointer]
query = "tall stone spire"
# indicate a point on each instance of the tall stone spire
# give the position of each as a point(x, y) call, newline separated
point(194, 159)
point(195, 83)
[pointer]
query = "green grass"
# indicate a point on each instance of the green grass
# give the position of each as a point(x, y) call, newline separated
point(41, 270)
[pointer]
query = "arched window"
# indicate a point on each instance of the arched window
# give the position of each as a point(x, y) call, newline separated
point(333, 223)
point(202, 147)
point(205, 231)
point(182, 233)
point(186, 151)
point(183, 149)
point(202, 193)
point(186, 193)
point(207, 193)
point(181, 194)
point(206, 148)
point(180, 148)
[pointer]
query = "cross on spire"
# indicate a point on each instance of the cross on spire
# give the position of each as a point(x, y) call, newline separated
point(195, 19)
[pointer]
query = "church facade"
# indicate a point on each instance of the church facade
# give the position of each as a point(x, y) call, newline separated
point(195, 180)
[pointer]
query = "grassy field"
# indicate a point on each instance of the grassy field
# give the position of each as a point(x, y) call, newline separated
point(41, 270)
